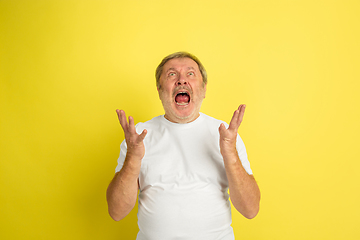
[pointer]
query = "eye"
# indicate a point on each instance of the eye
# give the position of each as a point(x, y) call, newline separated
point(191, 73)
point(171, 74)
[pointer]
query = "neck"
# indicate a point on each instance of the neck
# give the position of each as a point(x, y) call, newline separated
point(182, 120)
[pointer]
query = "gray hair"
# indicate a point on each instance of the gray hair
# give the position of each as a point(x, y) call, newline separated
point(159, 69)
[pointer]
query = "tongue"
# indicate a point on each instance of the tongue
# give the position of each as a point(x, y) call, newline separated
point(182, 98)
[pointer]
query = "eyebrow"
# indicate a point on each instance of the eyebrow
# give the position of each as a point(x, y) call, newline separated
point(170, 69)
point(189, 68)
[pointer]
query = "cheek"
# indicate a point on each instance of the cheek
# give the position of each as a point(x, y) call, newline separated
point(165, 96)
point(201, 92)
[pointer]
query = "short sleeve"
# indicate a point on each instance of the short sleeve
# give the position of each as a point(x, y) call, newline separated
point(123, 148)
point(240, 147)
point(121, 159)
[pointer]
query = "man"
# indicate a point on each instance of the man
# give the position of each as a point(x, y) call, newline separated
point(183, 163)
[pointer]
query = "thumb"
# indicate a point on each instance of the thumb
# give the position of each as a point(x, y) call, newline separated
point(142, 135)
point(222, 128)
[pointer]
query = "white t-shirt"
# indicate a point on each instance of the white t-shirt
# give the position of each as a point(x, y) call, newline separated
point(183, 184)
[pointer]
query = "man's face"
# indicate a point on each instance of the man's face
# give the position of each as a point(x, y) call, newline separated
point(181, 90)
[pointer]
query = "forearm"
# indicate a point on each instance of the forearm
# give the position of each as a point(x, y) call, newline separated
point(244, 191)
point(122, 191)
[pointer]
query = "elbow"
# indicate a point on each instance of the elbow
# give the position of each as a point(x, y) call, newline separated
point(115, 217)
point(253, 210)
point(118, 212)
point(248, 211)
point(251, 214)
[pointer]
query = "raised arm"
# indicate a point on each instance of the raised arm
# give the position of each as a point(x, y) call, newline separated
point(122, 192)
point(244, 191)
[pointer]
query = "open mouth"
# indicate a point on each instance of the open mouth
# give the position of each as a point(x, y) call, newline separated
point(182, 98)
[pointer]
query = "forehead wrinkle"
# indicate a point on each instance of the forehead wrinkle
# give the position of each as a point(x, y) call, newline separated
point(174, 69)
point(171, 69)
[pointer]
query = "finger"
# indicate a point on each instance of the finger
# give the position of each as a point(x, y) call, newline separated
point(131, 125)
point(241, 113)
point(118, 114)
point(142, 135)
point(122, 119)
point(234, 123)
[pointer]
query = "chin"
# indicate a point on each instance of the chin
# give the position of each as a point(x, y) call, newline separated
point(181, 114)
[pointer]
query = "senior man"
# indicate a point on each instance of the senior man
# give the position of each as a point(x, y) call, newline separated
point(183, 162)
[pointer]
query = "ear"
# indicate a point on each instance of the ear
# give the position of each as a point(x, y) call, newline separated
point(204, 90)
point(158, 90)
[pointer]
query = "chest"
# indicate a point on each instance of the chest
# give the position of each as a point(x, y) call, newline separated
point(182, 160)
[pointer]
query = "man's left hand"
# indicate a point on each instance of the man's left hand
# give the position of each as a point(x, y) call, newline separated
point(228, 136)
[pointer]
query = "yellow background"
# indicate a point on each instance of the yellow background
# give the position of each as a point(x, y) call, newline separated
point(65, 66)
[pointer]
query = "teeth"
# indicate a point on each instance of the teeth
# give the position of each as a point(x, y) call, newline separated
point(181, 104)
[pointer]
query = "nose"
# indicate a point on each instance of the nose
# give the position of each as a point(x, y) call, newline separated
point(181, 81)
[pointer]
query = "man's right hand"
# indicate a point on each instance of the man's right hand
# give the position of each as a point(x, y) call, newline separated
point(122, 192)
point(134, 141)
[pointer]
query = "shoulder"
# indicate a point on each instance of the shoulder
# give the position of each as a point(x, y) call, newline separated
point(152, 124)
point(212, 121)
